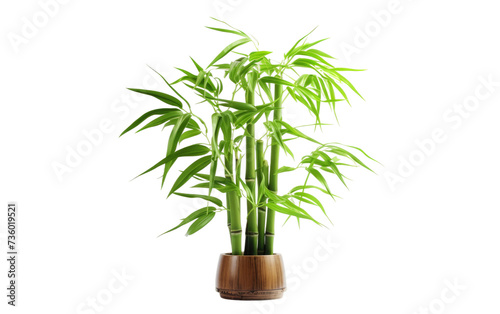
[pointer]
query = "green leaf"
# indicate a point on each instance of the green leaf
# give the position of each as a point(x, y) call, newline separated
point(194, 215)
point(285, 210)
point(198, 67)
point(305, 187)
point(320, 53)
point(347, 69)
point(147, 115)
point(285, 169)
point(337, 86)
point(296, 132)
point(173, 141)
point(238, 138)
point(256, 55)
point(225, 30)
point(345, 81)
point(161, 120)
point(189, 134)
point(266, 90)
point(319, 177)
point(275, 129)
point(217, 179)
point(190, 171)
point(237, 105)
point(359, 149)
point(229, 48)
point(166, 98)
point(212, 199)
point(170, 85)
point(342, 152)
point(291, 51)
point(311, 199)
point(235, 69)
point(275, 80)
point(191, 124)
point(200, 223)
point(248, 191)
point(219, 187)
point(189, 151)
point(306, 63)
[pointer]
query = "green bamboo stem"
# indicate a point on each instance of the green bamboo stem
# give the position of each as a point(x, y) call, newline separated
point(251, 231)
point(261, 215)
point(233, 207)
point(273, 172)
point(228, 200)
point(263, 178)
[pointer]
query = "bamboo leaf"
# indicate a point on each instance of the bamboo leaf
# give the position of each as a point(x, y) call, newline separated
point(285, 169)
point(173, 141)
point(170, 85)
point(229, 48)
point(198, 67)
point(212, 199)
point(194, 215)
point(225, 30)
point(319, 177)
point(275, 80)
point(345, 81)
point(290, 52)
point(266, 90)
point(189, 134)
point(200, 223)
point(347, 69)
point(147, 115)
point(275, 129)
point(285, 210)
point(296, 132)
point(161, 120)
point(190, 171)
point(166, 98)
point(337, 86)
point(240, 32)
point(248, 191)
point(237, 105)
point(189, 151)
point(320, 53)
point(217, 179)
point(219, 187)
point(359, 149)
point(305, 187)
point(256, 55)
point(311, 199)
point(342, 152)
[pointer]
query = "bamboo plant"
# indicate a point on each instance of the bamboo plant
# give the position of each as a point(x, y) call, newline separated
point(259, 88)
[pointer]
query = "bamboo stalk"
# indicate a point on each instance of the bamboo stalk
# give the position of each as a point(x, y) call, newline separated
point(251, 232)
point(228, 200)
point(273, 172)
point(261, 215)
point(261, 218)
point(233, 207)
point(262, 209)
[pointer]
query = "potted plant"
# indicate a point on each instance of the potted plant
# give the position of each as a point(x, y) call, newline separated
point(241, 180)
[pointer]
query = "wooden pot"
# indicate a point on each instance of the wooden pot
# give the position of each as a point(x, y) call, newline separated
point(250, 277)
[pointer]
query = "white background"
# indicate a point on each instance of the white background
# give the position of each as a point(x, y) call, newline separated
point(397, 246)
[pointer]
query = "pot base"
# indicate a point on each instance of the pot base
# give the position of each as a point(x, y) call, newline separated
point(251, 295)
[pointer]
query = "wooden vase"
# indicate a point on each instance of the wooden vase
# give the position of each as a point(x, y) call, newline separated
point(250, 277)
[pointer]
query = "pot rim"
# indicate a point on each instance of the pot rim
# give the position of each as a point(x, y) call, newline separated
point(259, 255)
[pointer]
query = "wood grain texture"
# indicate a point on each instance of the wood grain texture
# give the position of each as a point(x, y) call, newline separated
point(250, 277)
